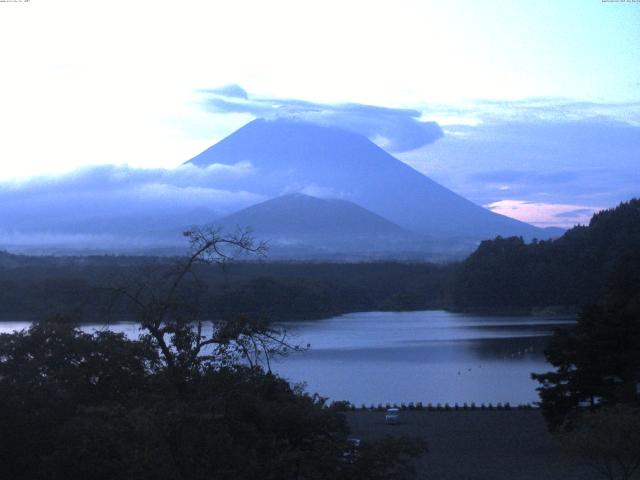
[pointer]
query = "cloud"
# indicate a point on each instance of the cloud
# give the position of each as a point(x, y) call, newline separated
point(507, 176)
point(86, 242)
point(318, 191)
point(232, 90)
point(580, 212)
point(550, 161)
point(534, 110)
point(545, 214)
point(397, 129)
point(112, 177)
point(106, 202)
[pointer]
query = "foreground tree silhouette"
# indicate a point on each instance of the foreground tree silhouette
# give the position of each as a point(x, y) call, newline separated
point(608, 440)
point(591, 401)
point(179, 402)
point(598, 361)
point(165, 302)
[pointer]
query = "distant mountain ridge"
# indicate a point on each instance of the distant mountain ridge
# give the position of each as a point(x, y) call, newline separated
point(290, 155)
point(298, 215)
point(302, 226)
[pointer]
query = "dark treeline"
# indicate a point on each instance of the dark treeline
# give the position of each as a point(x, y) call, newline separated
point(288, 291)
point(31, 287)
point(598, 361)
point(572, 271)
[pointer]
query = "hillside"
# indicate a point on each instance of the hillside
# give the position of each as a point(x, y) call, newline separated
point(304, 227)
point(572, 271)
point(298, 215)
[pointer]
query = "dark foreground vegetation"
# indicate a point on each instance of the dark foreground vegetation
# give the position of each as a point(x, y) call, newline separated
point(598, 361)
point(175, 403)
point(78, 406)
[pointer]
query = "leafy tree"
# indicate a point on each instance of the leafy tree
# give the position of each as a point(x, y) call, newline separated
point(598, 361)
point(608, 440)
point(51, 371)
point(390, 458)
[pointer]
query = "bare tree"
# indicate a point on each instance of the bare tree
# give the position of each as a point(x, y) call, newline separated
point(165, 303)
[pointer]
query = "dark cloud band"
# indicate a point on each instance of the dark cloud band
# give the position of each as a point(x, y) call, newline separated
point(398, 129)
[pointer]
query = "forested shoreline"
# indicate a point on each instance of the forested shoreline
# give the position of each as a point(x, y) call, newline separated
point(569, 272)
point(503, 276)
point(83, 287)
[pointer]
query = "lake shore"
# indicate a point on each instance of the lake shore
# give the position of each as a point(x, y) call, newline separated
point(477, 445)
point(553, 311)
point(392, 357)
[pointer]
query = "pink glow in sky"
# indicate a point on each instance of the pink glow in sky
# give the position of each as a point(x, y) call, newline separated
point(545, 214)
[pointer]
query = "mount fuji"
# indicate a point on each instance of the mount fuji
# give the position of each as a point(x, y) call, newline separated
point(289, 155)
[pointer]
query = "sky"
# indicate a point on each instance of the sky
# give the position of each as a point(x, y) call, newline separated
point(537, 102)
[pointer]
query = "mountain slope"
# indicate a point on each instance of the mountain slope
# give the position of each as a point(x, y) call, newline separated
point(297, 215)
point(303, 227)
point(293, 156)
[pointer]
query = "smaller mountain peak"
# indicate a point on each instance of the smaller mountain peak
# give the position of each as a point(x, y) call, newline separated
point(301, 214)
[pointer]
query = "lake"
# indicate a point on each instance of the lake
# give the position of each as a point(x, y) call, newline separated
point(426, 356)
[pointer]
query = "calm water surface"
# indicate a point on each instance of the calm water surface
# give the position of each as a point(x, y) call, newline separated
point(429, 356)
